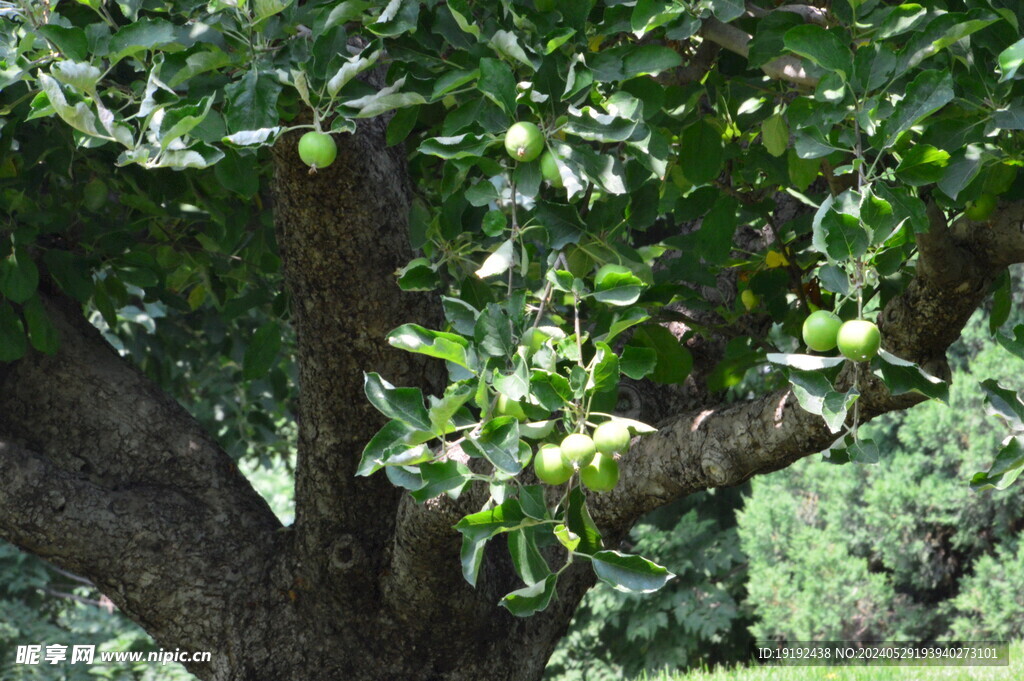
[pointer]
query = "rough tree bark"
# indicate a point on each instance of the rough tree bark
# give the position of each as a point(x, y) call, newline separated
point(103, 474)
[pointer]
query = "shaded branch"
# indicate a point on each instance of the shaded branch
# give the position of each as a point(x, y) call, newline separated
point(788, 67)
point(810, 14)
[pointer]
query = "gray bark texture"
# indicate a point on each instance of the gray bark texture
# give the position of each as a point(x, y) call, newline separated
point(105, 475)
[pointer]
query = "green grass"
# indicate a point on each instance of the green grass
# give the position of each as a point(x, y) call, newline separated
point(755, 673)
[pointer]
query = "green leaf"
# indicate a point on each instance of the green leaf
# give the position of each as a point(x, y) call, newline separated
point(581, 524)
point(499, 261)
point(605, 375)
point(498, 84)
point(701, 152)
point(637, 362)
point(876, 214)
point(442, 477)
point(41, 331)
point(531, 498)
point(398, 17)
point(515, 384)
point(498, 442)
point(261, 352)
point(804, 362)
point(251, 102)
point(69, 273)
point(253, 138)
point(383, 101)
point(268, 8)
point(836, 406)
point(769, 38)
point(649, 60)
point(82, 76)
point(507, 45)
point(567, 537)
point(930, 91)
point(810, 388)
point(623, 320)
point(1005, 469)
point(822, 47)
point(531, 599)
point(802, 171)
point(902, 377)
point(630, 574)
point(964, 167)
point(404, 404)
point(923, 164)
point(526, 559)
point(650, 14)
point(727, 10)
point(19, 276)
point(594, 126)
point(775, 134)
point(71, 42)
point(674, 359)
point(1004, 403)
point(617, 288)
point(1013, 345)
point(463, 17)
point(459, 146)
point(13, 344)
point(478, 528)
point(80, 116)
point(1010, 118)
point(903, 18)
point(139, 36)
point(905, 206)
point(179, 121)
point(493, 332)
point(715, 237)
point(1010, 60)
point(418, 275)
point(390, 443)
point(447, 346)
point(351, 68)
point(551, 390)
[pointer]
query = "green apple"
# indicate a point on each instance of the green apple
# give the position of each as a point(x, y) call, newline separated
point(507, 407)
point(749, 299)
point(981, 208)
point(550, 466)
point(524, 141)
point(549, 169)
point(611, 437)
point(859, 340)
point(601, 474)
point(578, 449)
point(317, 150)
point(821, 329)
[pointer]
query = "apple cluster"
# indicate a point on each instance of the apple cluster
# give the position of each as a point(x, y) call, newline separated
point(857, 339)
point(594, 457)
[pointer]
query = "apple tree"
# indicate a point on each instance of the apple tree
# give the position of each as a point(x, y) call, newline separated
point(481, 234)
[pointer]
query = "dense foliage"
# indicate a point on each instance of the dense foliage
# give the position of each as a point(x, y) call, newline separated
point(699, 618)
point(919, 553)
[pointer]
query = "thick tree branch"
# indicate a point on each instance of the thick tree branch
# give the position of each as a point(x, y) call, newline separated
point(343, 233)
point(105, 475)
point(726, 445)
